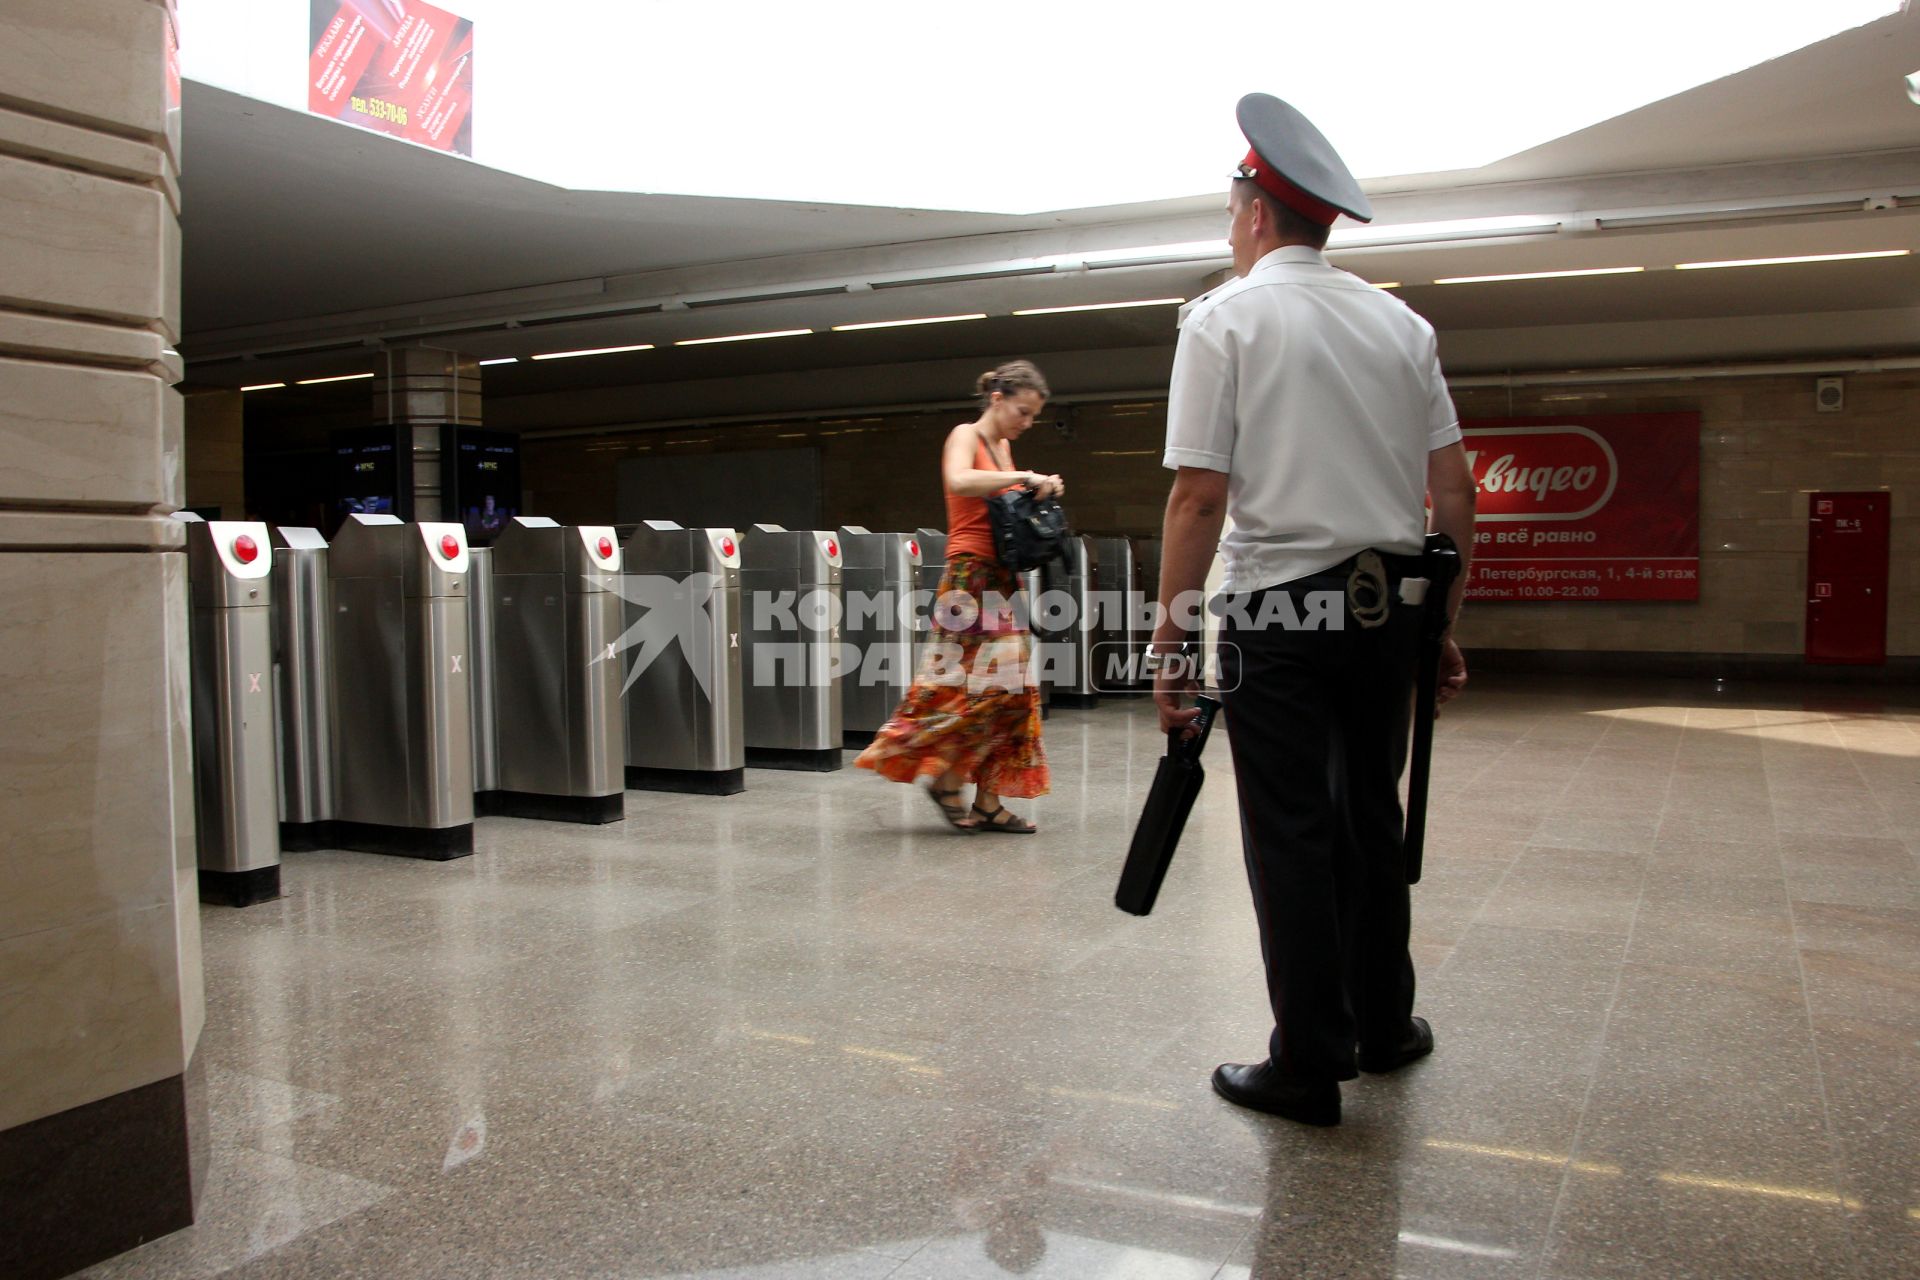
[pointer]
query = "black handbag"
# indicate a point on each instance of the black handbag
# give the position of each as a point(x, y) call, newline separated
point(1028, 530)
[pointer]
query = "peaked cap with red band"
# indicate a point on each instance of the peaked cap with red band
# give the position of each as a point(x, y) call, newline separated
point(1294, 163)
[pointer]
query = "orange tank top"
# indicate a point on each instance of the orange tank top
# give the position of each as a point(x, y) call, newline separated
point(967, 527)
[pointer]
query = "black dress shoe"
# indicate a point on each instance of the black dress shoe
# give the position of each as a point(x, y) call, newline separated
point(1260, 1087)
point(1417, 1045)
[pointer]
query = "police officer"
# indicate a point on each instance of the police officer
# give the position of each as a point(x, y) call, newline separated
point(1309, 407)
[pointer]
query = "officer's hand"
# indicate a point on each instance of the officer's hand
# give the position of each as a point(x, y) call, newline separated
point(1170, 695)
point(1453, 673)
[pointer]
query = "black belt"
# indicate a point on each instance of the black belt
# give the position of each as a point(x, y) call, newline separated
point(1397, 567)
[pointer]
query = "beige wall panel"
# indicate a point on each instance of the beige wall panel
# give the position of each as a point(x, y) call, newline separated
point(215, 471)
point(1763, 446)
point(87, 1011)
point(97, 61)
point(81, 436)
point(92, 655)
point(73, 243)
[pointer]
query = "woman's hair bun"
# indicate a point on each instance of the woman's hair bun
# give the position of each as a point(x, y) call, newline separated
point(1011, 377)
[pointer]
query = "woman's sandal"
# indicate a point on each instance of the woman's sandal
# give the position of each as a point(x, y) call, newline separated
point(1000, 820)
point(955, 813)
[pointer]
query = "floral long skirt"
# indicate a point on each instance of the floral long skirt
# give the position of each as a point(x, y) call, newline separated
point(972, 708)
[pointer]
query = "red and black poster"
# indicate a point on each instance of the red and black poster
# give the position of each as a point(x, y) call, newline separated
point(400, 67)
point(1600, 508)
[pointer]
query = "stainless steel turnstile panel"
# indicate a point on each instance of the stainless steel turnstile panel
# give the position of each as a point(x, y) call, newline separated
point(235, 763)
point(403, 732)
point(674, 723)
point(1070, 651)
point(556, 621)
point(880, 573)
point(792, 691)
point(481, 699)
point(933, 567)
point(303, 675)
point(1121, 630)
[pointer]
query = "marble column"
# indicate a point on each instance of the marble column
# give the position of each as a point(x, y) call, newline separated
point(423, 390)
point(100, 986)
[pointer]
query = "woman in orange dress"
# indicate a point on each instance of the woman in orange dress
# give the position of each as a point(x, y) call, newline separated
point(973, 713)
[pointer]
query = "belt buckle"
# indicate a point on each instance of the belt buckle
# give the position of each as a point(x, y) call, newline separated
point(1367, 598)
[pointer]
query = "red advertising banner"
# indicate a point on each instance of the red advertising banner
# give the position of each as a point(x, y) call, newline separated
point(401, 67)
point(1600, 508)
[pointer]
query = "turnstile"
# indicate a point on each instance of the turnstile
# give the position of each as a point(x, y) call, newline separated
point(554, 621)
point(684, 692)
point(303, 685)
point(933, 567)
point(879, 576)
point(480, 697)
point(790, 580)
point(236, 773)
point(1033, 585)
point(1072, 583)
point(1123, 630)
point(402, 702)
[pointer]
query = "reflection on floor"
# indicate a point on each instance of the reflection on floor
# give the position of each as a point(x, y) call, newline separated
point(1669, 938)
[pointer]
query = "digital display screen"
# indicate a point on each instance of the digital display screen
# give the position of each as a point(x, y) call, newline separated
point(486, 481)
point(366, 473)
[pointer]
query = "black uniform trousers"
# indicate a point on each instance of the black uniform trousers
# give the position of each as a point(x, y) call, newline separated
point(1318, 722)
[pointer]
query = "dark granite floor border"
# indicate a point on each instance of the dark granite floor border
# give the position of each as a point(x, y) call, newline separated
point(86, 1184)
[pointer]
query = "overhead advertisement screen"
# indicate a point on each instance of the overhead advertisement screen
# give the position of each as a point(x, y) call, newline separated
point(399, 67)
point(1599, 508)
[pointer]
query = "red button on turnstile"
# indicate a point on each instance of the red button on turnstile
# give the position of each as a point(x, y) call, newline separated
point(833, 548)
point(726, 546)
point(606, 548)
point(245, 549)
point(450, 547)
point(913, 548)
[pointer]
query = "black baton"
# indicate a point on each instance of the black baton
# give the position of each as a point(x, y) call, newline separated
point(1442, 564)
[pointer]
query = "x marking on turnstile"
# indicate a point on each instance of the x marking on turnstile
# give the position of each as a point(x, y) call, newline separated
point(253, 681)
point(610, 650)
point(456, 663)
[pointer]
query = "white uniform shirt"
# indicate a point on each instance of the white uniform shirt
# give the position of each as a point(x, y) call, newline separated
point(1320, 396)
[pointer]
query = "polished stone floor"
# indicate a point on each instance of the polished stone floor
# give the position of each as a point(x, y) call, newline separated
point(1669, 937)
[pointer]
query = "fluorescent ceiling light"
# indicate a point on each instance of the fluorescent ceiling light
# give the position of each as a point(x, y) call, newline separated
point(1101, 306)
point(264, 386)
point(1519, 224)
point(900, 324)
point(743, 337)
point(1384, 284)
point(344, 377)
point(1542, 275)
point(1147, 253)
point(501, 360)
point(1775, 262)
point(594, 351)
